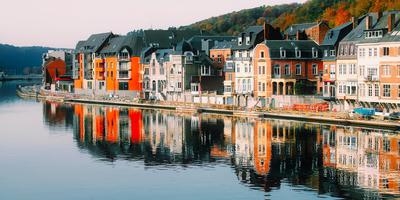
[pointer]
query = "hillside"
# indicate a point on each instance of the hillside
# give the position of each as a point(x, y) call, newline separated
point(336, 12)
point(21, 59)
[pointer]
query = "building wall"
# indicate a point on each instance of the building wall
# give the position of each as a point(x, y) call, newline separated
point(263, 65)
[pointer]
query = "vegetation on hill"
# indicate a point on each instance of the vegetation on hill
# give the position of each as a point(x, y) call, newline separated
point(19, 60)
point(336, 12)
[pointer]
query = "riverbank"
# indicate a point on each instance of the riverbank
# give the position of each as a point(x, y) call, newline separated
point(317, 117)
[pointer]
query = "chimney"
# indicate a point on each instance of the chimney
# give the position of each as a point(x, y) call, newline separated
point(266, 31)
point(391, 18)
point(379, 15)
point(368, 22)
point(354, 20)
point(298, 35)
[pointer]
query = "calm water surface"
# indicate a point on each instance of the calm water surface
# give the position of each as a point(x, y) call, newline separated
point(57, 151)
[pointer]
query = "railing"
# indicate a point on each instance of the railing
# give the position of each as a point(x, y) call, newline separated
point(239, 59)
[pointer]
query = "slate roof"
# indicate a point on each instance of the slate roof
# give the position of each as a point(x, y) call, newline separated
point(292, 30)
point(196, 41)
point(305, 46)
point(224, 45)
point(255, 31)
point(79, 46)
point(167, 38)
point(133, 44)
point(334, 35)
point(382, 24)
point(95, 42)
point(163, 54)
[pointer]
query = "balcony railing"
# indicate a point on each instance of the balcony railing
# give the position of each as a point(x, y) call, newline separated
point(371, 78)
point(239, 59)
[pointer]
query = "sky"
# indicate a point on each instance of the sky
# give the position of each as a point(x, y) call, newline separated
point(62, 24)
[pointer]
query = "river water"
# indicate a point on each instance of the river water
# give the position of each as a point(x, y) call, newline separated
point(52, 150)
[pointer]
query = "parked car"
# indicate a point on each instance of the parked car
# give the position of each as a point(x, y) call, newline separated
point(393, 116)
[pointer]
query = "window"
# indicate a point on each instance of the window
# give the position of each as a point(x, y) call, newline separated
point(230, 77)
point(362, 69)
point(398, 69)
point(385, 51)
point(362, 90)
point(298, 53)
point(398, 91)
point(228, 88)
point(298, 69)
point(315, 69)
point(205, 70)
point(262, 54)
point(263, 87)
point(259, 86)
point(386, 70)
point(375, 52)
point(179, 85)
point(377, 90)
point(240, 41)
point(314, 52)
point(282, 52)
point(287, 69)
point(325, 53)
point(238, 68)
point(195, 87)
point(352, 69)
point(362, 52)
point(370, 90)
point(369, 52)
point(333, 52)
point(123, 86)
point(386, 90)
point(386, 145)
point(277, 70)
point(219, 59)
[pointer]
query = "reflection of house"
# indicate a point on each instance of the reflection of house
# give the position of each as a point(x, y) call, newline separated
point(364, 158)
point(98, 124)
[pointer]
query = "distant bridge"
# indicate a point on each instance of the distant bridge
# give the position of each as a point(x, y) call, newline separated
point(21, 77)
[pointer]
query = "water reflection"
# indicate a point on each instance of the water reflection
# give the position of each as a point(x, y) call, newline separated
point(338, 161)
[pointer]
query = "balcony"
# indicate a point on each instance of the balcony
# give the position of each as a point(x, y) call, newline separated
point(239, 59)
point(371, 78)
point(124, 74)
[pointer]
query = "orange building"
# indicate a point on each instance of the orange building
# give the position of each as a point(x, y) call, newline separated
point(108, 64)
point(220, 53)
point(284, 67)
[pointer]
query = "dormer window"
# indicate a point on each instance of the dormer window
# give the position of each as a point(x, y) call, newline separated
point(298, 52)
point(282, 52)
point(240, 41)
point(333, 53)
point(314, 52)
point(373, 34)
point(325, 53)
point(248, 40)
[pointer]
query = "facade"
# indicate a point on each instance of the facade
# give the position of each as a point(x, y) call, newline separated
point(284, 65)
point(108, 64)
point(327, 85)
point(242, 62)
point(378, 62)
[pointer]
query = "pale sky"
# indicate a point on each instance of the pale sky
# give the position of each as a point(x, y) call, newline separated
point(58, 23)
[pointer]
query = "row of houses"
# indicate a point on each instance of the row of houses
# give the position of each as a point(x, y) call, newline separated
point(355, 64)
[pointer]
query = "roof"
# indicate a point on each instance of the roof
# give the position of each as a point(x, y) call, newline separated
point(167, 38)
point(334, 35)
point(382, 24)
point(292, 30)
point(196, 41)
point(116, 44)
point(79, 46)
point(305, 46)
point(95, 42)
point(224, 45)
point(255, 32)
